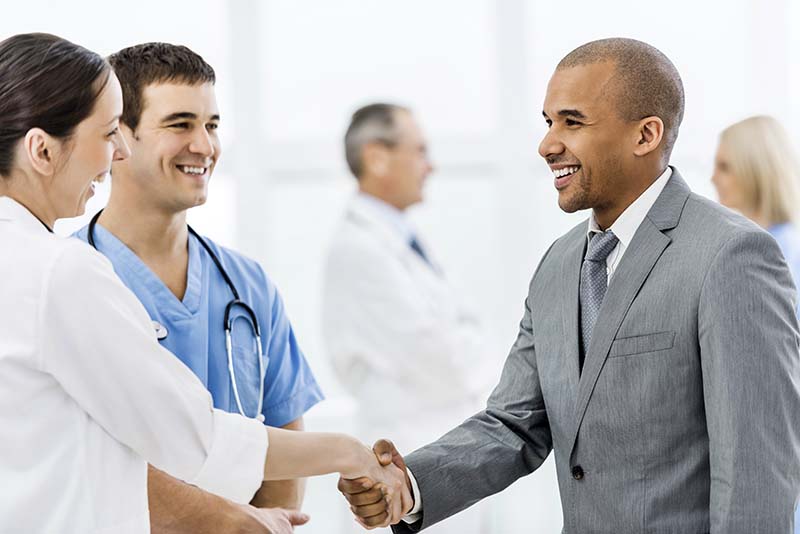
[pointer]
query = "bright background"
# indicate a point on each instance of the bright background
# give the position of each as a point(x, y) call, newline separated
point(291, 72)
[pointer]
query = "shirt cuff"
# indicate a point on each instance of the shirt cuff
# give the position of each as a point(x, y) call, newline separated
point(416, 512)
point(234, 467)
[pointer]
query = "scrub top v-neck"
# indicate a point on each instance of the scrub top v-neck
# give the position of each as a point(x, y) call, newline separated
point(192, 328)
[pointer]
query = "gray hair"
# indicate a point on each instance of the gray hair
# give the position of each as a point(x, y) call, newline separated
point(645, 81)
point(374, 123)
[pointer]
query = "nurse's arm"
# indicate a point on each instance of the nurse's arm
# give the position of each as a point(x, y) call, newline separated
point(282, 493)
point(303, 454)
point(180, 508)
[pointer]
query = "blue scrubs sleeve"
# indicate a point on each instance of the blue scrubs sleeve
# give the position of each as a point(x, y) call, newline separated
point(290, 388)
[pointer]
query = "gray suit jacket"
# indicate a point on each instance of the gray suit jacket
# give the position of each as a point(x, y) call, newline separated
point(686, 417)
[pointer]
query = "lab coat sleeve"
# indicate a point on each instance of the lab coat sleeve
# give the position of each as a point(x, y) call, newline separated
point(98, 342)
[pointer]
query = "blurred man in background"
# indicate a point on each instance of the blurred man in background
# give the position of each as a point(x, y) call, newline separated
point(394, 328)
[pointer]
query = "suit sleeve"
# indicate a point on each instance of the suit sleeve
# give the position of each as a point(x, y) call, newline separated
point(489, 451)
point(748, 337)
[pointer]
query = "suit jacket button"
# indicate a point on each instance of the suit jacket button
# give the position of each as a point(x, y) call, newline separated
point(577, 472)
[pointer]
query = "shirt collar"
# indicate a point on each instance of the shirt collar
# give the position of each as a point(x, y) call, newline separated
point(388, 214)
point(629, 220)
point(11, 210)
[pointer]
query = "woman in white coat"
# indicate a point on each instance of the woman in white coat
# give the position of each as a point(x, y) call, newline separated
point(89, 396)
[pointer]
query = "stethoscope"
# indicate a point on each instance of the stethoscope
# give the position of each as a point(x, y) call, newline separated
point(228, 321)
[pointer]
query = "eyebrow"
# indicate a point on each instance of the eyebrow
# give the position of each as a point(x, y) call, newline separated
point(115, 118)
point(573, 113)
point(185, 115)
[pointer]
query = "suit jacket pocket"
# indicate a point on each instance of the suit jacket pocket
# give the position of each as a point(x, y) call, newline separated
point(627, 346)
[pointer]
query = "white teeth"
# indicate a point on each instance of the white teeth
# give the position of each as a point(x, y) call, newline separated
point(192, 170)
point(559, 173)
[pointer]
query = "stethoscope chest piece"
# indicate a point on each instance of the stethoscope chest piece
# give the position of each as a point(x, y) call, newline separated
point(228, 319)
point(161, 330)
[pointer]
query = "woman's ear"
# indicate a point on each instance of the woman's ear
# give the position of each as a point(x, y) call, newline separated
point(39, 148)
point(650, 134)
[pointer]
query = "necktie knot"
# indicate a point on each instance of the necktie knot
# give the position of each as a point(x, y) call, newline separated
point(601, 245)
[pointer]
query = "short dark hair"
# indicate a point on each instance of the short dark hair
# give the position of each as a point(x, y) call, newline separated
point(141, 65)
point(645, 81)
point(45, 82)
point(374, 123)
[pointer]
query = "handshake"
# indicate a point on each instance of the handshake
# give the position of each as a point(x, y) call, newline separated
point(378, 487)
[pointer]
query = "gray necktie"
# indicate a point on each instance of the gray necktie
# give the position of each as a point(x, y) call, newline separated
point(594, 281)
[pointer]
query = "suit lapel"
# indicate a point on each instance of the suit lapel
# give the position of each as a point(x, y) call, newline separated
point(647, 246)
point(570, 284)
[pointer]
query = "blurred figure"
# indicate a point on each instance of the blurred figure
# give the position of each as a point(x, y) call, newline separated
point(395, 329)
point(756, 173)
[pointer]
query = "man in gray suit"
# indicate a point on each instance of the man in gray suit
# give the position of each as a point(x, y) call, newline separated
point(658, 352)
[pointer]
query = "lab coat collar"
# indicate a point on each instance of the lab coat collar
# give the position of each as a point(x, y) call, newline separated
point(384, 214)
point(11, 210)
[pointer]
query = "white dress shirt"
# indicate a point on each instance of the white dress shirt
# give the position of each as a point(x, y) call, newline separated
point(89, 397)
point(629, 221)
point(624, 228)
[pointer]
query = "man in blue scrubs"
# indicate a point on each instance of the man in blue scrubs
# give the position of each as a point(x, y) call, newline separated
point(170, 123)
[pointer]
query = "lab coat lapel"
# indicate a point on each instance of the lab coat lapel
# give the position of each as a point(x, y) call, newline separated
point(391, 239)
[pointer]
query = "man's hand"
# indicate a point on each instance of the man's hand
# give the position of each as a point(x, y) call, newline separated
point(268, 520)
point(366, 498)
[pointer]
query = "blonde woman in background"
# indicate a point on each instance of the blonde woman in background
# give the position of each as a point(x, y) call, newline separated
point(756, 173)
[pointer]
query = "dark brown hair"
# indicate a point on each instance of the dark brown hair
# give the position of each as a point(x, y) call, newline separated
point(141, 65)
point(45, 82)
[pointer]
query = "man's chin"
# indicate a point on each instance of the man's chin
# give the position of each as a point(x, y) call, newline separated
point(569, 204)
point(201, 199)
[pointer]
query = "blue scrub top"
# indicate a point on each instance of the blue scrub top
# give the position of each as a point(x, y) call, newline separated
point(788, 239)
point(196, 335)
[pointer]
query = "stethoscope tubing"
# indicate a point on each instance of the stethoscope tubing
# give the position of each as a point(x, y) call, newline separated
point(228, 320)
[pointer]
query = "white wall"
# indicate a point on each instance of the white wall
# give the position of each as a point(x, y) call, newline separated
point(475, 72)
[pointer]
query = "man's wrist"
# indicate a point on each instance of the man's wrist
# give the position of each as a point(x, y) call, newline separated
point(237, 519)
point(415, 514)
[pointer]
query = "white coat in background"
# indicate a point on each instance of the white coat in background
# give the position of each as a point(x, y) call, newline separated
point(400, 338)
point(88, 396)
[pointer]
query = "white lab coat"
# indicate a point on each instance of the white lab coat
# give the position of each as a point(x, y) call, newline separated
point(88, 396)
point(400, 338)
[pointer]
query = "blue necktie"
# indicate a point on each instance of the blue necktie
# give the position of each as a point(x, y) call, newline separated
point(594, 282)
point(416, 247)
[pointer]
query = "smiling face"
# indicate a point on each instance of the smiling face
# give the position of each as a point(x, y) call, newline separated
point(586, 145)
point(175, 147)
point(87, 155)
